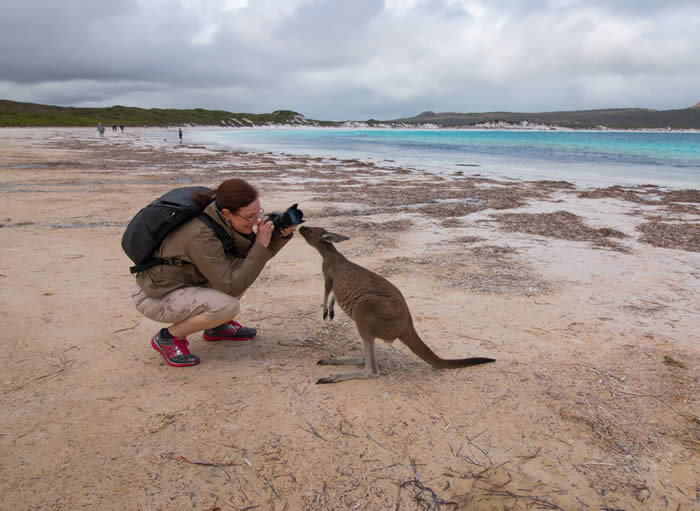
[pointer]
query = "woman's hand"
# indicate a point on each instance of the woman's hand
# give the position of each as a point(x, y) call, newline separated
point(264, 232)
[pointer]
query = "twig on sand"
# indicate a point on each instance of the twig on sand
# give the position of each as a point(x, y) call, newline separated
point(621, 379)
point(541, 502)
point(288, 345)
point(419, 490)
point(19, 387)
point(128, 328)
point(314, 432)
point(348, 433)
point(369, 437)
point(531, 456)
point(415, 468)
point(635, 394)
point(599, 463)
point(175, 457)
point(690, 418)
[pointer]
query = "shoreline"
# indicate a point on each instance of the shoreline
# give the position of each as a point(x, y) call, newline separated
point(586, 298)
point(153, 137)
point(358, 124)
point(504, 167)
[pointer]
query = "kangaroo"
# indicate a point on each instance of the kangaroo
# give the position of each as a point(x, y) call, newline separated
point(375, 305)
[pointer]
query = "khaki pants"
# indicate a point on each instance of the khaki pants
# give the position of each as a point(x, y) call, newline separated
point(186, 302)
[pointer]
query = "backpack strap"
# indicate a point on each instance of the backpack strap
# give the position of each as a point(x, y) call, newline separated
point(156, 261)
point(226, 240)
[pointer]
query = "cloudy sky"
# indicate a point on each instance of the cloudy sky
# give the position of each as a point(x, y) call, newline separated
point(352, 59)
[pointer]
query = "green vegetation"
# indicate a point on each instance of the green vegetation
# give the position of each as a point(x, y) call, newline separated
point(618, 118)
point(13, 113)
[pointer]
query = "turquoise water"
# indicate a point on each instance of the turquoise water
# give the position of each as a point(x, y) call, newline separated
point(591, 158)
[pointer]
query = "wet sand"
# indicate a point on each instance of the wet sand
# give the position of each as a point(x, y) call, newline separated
point(588, 299)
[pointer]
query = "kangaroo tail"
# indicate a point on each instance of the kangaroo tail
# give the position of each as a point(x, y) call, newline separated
point(417, 346)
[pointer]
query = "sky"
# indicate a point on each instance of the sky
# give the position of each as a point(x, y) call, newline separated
point(352, 59)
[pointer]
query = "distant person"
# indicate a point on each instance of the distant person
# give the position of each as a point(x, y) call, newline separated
point(114, 128)
point(100, 129)
point(179, 133)
point(121, 127)
point(204, 292)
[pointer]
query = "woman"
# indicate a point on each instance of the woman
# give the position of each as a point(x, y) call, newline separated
point(204, 295)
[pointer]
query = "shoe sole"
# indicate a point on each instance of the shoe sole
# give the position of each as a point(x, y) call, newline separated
point(217, 339)
point(167, 361)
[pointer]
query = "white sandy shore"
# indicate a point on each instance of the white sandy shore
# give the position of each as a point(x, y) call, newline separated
point(593, 401)
point(499, 167)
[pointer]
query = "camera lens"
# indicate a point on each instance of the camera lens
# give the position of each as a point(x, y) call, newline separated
point(292, 216)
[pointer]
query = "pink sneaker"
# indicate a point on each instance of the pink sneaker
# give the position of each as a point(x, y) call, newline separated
point(174, 351)
point(231, 331)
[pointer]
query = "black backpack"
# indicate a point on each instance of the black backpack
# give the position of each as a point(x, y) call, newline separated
point(152, 224)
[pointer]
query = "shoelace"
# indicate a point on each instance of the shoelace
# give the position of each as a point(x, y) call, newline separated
point(229, 325)
point(177, 342)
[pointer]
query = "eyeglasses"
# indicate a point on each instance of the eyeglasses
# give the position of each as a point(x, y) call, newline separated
point(251, 219)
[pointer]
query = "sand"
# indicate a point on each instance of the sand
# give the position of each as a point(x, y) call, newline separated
point(588, 299)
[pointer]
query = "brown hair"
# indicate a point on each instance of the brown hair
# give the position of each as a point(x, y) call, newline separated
point(232, 194)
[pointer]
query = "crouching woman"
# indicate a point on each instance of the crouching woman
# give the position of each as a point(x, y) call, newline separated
point(204, 293)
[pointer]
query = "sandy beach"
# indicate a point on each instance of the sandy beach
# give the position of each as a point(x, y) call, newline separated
point(588, 299)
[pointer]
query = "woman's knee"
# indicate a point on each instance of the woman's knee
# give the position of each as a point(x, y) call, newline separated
point(223, 309)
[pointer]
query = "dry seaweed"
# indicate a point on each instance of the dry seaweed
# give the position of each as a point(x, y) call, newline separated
point(684, 236)
point(469, 239)
point(635, 194)
point(451, 222)
point(561, 225)
point(690, 196)
point(674, 201)
point(373, 227)
point(481, 269)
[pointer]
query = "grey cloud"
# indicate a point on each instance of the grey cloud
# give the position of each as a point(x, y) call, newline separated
point(342, 60)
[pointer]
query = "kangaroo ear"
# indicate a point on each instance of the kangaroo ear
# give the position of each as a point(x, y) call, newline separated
point(331, 237)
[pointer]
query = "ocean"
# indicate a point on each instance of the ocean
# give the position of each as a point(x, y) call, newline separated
point(586, 158)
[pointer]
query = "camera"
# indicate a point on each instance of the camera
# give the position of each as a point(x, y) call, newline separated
point(292, 216)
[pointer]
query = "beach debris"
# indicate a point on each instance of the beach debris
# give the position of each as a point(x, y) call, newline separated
point(561, 225)
point(681, 236)
point(488, 269)
point(670, 361)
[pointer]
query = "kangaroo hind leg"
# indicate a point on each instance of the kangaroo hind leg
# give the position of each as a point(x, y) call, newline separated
point(370, 370)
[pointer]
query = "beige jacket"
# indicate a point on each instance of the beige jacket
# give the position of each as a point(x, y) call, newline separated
point(194, 242)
